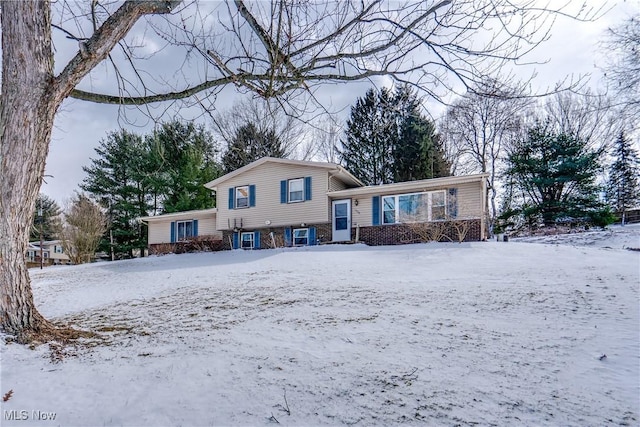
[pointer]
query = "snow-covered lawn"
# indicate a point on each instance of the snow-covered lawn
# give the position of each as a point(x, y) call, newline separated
point(439, 334)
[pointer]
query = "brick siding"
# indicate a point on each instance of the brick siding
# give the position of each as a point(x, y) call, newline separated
point(400, 234)
point(323, 234)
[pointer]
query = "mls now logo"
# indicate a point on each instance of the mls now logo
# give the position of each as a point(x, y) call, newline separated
point(22, 415)
point(15, 415)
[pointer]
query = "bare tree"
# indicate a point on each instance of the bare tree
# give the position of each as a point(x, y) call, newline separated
point(275, 49)
point(267, 117)
point(587, 115)
point(83, 227)
point(623, 71)
point(478, 127)
point(326, 134)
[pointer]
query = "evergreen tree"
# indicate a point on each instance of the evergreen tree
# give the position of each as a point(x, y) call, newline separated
point(164, 172)
point(419, 153)
point(181, 159)
point(556, 173)
point(623, 188)
point(250, 144)
point(117, 179)
point(389, 140)
point(46, 219)
point(367, 150)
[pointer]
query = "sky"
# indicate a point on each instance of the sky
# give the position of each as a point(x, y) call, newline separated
point(572, 49)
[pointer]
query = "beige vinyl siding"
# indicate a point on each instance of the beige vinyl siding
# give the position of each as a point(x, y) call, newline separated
point(336, 184)
point(266, 178)
point(469, 203)
point(470, 200)
point(160, 230)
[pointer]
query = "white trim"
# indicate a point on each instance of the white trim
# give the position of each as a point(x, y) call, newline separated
point(430, 206)
point(289, 182)
point(253, 243)
point(195, 214)
point(339, 170)
point(421, 186)
point(342, 235)
point(293, 237)
point(184, 238)
point(235, 196)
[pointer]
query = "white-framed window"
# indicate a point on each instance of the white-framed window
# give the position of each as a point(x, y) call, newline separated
point(415, 207)
point(300, 236)
point(184, 230)
point(296, 190)
point(438, 206)
point(246, 240)
point(57, 249)
point(242, 197)
point(45, 255)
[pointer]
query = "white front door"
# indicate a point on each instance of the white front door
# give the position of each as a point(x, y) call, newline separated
point(341, 223)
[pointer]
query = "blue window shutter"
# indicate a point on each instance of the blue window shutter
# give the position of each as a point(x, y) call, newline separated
point(173, 232)
point(376, 210)
point(307, 188)
point(236, 240)
point(252, 195)
point(231, 197)
point(283, 191)
point(312, 236)
point(256, 240)
point(453, 203)
point(195, 228)
point(287, 237)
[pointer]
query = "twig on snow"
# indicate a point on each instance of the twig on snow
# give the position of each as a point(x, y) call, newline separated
point(284, 408)
point(274, 419)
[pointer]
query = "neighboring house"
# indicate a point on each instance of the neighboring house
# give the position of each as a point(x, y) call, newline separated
point(279, 202)
point(52, 253)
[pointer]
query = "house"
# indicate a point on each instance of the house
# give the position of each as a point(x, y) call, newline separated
point(280, 202)
point(52, 253)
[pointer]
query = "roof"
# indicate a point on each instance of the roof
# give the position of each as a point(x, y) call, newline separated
point(36, 243)
point(335, 169)
point(179, 215)
point(424, 184)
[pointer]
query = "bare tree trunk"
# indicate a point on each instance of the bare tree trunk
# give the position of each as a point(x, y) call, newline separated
point(26, 119)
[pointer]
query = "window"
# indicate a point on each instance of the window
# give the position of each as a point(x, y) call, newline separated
point(242, 197)
point(57, 249)
point(417, 207)
point(300, 236)
point(389, 209)
point(246, 240)
point(185, 230)
point(296, 190)
point(438, 206)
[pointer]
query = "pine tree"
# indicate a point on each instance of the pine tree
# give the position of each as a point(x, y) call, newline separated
point(623, 188)
point(419, 153)
point(46, 219)
point(181, 159)
point(117, 179)
point(367, 148)
point(250, 144)
point(556, 173)
point(389, 140)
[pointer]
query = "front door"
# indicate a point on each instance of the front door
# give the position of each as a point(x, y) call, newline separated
point(341, 224)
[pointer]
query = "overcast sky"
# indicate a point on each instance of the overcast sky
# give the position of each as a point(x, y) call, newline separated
point(572, 49)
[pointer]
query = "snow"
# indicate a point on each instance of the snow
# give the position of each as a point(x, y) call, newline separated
point(485, 333)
